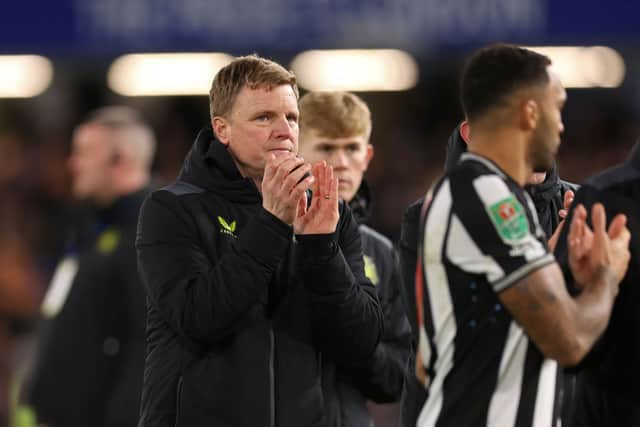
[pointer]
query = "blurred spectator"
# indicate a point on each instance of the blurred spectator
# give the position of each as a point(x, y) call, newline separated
point(89, 367)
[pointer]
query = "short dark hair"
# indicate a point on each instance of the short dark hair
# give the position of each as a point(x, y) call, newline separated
point(495, 72)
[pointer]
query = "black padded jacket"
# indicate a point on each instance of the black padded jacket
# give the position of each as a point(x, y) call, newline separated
point(242, 315)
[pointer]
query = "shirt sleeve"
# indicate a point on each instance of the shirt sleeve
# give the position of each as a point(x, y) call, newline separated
point(494, 232)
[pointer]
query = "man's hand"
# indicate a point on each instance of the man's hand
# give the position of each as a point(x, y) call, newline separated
point(591, 252)
point(562, 213)
point(283, 185)
point(322, 216)
point(568, 200)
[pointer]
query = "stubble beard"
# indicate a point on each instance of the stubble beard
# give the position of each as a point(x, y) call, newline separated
point(542, 154)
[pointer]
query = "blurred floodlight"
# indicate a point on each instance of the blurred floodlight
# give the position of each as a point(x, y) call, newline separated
point(356, 70)
point(585, 67)
point(24, 76)
point(160, 74)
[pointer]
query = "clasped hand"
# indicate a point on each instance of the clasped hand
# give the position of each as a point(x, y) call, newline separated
point(592, 251)
point(284, 194)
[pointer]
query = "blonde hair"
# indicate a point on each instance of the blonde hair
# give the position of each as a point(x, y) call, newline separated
point(335, 114)
point(251, 71)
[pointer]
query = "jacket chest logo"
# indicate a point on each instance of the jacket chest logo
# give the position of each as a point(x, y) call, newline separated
point(107, 241)
point(370, 270)
point(226, 227)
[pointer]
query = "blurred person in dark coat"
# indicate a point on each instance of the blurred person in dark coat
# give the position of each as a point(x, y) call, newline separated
point(608, 380)
point(336, 127)
point(89, 367)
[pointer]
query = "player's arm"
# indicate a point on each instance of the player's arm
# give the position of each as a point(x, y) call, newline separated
point(562, 327)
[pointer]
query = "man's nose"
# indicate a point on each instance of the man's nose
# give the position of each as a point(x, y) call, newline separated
point(283, 128)
point(339, 159)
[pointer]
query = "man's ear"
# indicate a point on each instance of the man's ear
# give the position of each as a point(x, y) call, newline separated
point(369, 156)
point(221, 129)
point(529, 114)
point(465, 132)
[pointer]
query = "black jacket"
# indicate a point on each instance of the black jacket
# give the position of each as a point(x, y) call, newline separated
point(381, 378)
point(91, 354)
point(608, 382)
point(548, 196)
point(241, 315)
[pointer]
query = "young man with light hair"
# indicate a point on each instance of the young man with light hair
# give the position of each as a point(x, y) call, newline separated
point(336, 127)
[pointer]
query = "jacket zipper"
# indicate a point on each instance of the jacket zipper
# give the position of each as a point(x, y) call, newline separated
point(178, 399)
point(272, 384)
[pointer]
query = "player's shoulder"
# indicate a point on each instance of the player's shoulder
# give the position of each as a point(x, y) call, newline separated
point(473, 165)
point(479, 175)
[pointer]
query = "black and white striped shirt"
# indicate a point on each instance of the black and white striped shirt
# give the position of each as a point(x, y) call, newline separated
point(481, 235)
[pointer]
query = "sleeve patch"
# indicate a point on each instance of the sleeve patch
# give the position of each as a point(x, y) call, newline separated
point(509, 218)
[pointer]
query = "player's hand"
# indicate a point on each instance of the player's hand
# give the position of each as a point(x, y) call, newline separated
point(283, 185)
point(591, 251)
point(321, 217)
point(619, 236)
point(562, 213)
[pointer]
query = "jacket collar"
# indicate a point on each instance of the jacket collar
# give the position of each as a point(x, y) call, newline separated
point(361, 203)
point(547, 189)
point(217, 154)
point(209, 165)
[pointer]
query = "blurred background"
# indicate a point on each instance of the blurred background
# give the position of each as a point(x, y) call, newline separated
point(59, 60)
point(408, 74)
